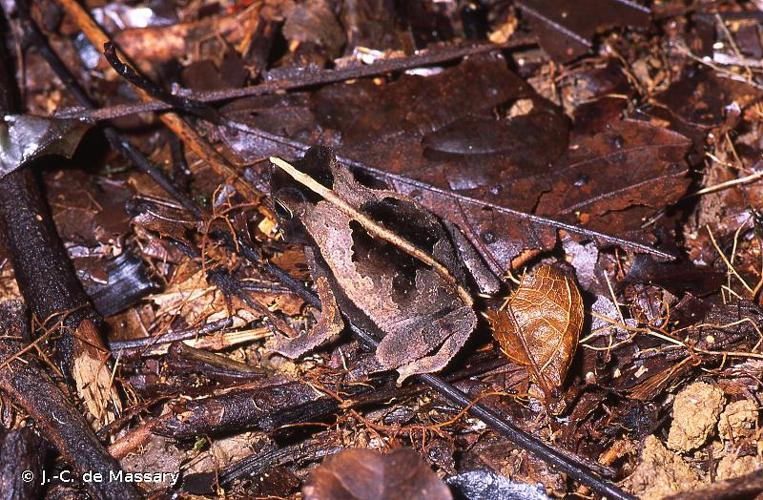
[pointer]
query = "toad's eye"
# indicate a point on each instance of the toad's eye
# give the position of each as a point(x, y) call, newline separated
point(282, 210)
point(286, 202)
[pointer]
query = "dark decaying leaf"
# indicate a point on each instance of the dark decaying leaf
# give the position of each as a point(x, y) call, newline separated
point(676, 277)
point(540, 326)
point(425, 316)
point(697, 98)
point(608, 179)
point(24, 138)
point(565, 29)
point(128, 282)
point(363, 474)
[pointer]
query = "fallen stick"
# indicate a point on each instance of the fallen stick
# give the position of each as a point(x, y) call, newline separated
point(21, 451)
point(260, 407)
point(34, 391)
point(424, 58)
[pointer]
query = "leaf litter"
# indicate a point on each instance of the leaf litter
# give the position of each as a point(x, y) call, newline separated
point(563, 223)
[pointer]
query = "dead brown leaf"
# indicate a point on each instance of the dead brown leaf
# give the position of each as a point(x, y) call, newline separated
point(566, 29)
point(363, 474)
point(540, 326)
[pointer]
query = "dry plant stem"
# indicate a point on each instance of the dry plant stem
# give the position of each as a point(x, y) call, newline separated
point(175, 123)
point(372, 226)
point(47, 279)
point(424, 58)
point(727, 184)
point(231, 286)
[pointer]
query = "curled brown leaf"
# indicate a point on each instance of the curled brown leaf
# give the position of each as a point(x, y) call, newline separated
point(362, 474)
point(540, 326)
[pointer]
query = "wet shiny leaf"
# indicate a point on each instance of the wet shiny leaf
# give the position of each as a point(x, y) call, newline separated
point(24, 138)
point(566, 29)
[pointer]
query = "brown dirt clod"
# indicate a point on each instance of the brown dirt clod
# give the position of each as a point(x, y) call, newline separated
point(695, 413)
point(738, 420)
point(661, 472)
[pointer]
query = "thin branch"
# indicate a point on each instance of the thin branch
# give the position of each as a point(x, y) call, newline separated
point(427, 57)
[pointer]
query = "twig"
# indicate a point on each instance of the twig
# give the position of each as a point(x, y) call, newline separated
point(47, 278)
point(426, 58)
point(727, 184)
point(155, 91)
point(31, 388)
point(252, 407)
